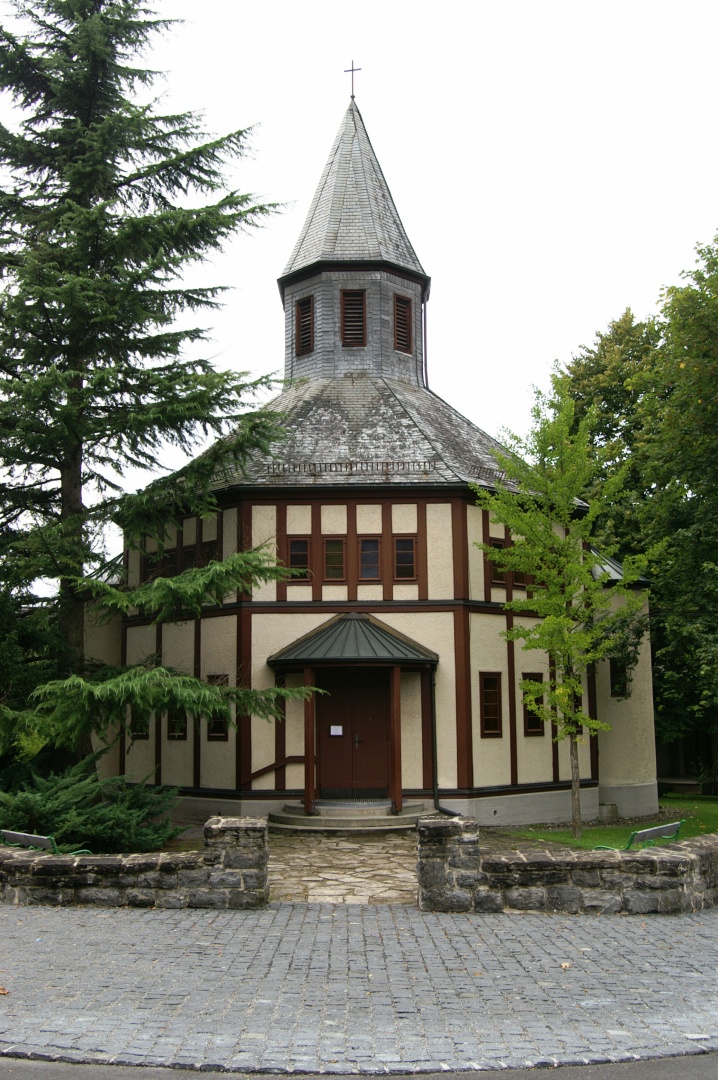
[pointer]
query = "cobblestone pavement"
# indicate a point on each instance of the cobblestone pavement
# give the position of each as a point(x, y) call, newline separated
point(344, 987)
point(343, 870)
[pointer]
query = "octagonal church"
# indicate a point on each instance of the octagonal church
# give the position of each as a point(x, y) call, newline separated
point(394, 611)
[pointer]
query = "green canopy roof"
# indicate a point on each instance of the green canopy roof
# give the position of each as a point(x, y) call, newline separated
point(353, 639)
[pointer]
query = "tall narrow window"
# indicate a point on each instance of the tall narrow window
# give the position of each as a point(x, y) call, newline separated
point(139, 724)
point(369, 560)
point(334, 560)
point(304, 335)
point(299, 557)
point(402, 323)
point(533, 724)
point(490, 701)
point(498, 577)
point(177, 724)
point(404, 557)
point(217, 726)
point(353, 318)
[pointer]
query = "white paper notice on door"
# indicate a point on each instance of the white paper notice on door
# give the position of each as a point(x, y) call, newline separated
point(336, 729)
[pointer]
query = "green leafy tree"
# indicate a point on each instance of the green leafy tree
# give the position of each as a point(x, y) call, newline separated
point(581, 617)
point(105, 202)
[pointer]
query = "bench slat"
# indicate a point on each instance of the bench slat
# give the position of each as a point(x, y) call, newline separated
point(27, 839)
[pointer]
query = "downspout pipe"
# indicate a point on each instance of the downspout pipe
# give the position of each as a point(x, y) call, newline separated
point(435, 763)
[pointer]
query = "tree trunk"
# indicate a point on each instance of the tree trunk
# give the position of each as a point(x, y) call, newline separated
point(575, 785)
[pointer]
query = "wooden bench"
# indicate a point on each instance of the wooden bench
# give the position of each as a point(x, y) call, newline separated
point(647, 837)
point(37, 843)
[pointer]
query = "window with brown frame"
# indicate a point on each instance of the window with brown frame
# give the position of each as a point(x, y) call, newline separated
point(217, 726)
point(304, 333)
point(519, 578)
point(298, 552)
point(369, 559)
point(334, 560)
point(353, 320)
point(490, 702)
point(209, 552)
point(176, 724)
point(404, 558)
point(402, 324)
point(498, 577)
point(189, 557)
point(533, 724)
point(139, 724)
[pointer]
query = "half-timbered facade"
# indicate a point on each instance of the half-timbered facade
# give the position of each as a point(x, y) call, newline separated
point(393, 610)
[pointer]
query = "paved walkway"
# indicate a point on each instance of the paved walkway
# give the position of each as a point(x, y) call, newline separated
point(344, 988)
point(343, 870)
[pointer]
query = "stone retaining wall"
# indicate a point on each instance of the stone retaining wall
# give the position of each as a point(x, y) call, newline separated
point(454, 876)
point(231, 872)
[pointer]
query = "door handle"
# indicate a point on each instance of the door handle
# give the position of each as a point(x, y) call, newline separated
point(357, 740)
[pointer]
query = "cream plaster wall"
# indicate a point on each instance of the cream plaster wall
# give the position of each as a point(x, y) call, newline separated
point(403, 518)
point(411, 748)
point(406, 592)
point(299, 520)
point(270, 633)
point(140, 643)
point(177, 765)
point(627, 753)
point(178, 646)
point(219, 657)
point(496, 530)
point(189, 531)
point(335, 592)
point(368, 518)
point(492, 761)
point(534, 753)
point(209, 527)
point(264, 534)
point(370, 592)
point(133, 567)
point(475, 556)
point(103, 642)
point(300, 593)
point(140, 755)
point(229, 531)
point(435, 630)
point(334, 520)
point(294, 735)
point(439, 545)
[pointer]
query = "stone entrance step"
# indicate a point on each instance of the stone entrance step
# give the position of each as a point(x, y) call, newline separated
point(349, 816)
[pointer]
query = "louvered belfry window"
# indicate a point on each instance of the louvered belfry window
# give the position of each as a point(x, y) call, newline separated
point(304, 340)
point(402, 323)
point(353, 318)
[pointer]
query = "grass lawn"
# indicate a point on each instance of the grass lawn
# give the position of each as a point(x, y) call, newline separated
point(700, 813)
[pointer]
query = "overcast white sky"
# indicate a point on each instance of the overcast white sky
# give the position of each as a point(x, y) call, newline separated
point(553, 162)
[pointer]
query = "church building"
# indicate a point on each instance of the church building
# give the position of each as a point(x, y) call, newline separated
point(394, 611)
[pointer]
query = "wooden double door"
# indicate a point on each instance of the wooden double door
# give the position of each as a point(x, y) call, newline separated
point(353, 733)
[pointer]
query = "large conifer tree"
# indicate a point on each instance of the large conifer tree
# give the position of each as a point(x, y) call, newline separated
point(104, 203)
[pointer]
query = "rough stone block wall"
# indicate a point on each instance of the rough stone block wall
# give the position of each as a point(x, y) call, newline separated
point(231, 872)
point(454, 876)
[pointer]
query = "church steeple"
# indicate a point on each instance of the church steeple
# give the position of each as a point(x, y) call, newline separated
point(353, 288)
point(353, 217)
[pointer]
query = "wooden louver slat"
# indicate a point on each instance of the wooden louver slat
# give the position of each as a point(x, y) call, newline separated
point(353, 318)
point(305, 326)
point(402, 323)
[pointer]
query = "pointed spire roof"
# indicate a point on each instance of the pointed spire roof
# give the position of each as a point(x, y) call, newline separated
point(353, 217)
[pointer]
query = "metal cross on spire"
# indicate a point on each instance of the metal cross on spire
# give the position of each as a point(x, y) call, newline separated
point(352, 69)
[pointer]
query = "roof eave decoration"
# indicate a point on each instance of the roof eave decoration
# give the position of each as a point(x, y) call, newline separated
point(354, 638)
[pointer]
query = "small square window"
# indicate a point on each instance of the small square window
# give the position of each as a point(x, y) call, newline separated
point(299, 558)
point(490, 702)
point(334, 560)
point(404, 558)
point(369, 565)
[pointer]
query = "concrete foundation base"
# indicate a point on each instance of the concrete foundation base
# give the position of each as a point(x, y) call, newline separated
point(632, 800)
point(536, 808)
